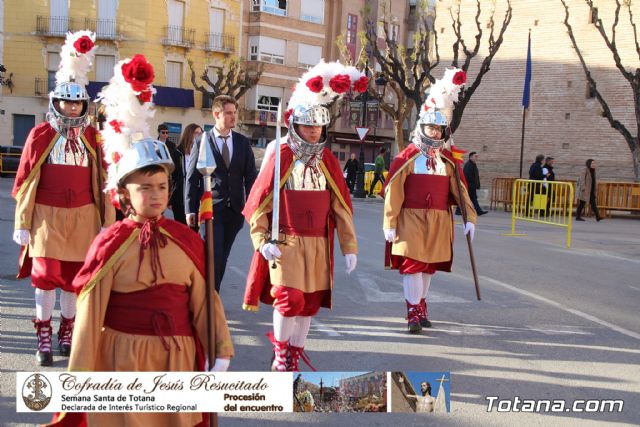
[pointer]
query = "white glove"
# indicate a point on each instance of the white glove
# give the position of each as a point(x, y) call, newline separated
point(191, 219)
point(270, 251)
point(389, 234)
point(220, 365)
point(21, 237)
point(102, 229)
point(470, 229)
point(351, 260)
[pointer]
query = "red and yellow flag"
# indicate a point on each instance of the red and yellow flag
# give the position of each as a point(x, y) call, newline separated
point(458, 153)
point(206, 206)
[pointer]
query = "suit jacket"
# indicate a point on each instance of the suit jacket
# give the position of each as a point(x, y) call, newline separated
point(229, 185)
point(177, 177)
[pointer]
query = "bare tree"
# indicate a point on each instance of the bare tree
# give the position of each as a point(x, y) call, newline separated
point(409, 72)
point(632, 76)
point(234, 78)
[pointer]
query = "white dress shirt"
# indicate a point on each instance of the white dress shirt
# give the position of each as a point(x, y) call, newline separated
point(220, 142)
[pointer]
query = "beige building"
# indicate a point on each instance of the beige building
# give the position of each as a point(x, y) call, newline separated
point(565, 119)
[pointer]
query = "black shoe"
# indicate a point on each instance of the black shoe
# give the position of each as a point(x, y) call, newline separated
point(44, 358)
point(458, 212)
point(599, 219)
point(482, 213)
point(425, 323)
point(65, 349)
point(414, 328)
point(373, 196)
point(579, 219)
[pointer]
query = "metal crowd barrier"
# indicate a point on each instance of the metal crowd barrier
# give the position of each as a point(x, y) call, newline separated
point(542, 202)
point(3, 163)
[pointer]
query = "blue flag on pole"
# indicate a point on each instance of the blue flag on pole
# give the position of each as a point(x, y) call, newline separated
point(527, 77)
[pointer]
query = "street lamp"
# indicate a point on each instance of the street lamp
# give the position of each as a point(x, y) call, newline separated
point(381, 86)
point(360, 192)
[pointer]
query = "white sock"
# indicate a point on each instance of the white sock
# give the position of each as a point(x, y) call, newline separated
point(303, 323)
point(426, 282)
point(412, 284)
point(68, 304)
point(283, 326)
point(45, 300)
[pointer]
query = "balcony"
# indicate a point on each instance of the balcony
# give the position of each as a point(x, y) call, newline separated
point(179, 36)
point(105, 29)
point(216, 42)
point(40, 87)
point(259, 117)
point(54, 26)
point(273, 7)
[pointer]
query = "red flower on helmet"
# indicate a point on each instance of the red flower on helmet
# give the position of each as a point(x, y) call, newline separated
point(138, 72)
point(315, 84)
point(287, 116)
point(362, 84)
point(115, 156)
point(459, 78)
point(340, 83)
point(84, 44)
point(116, 126)
point(145, 95)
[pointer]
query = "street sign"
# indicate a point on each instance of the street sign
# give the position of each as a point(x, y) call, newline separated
point(362, 132)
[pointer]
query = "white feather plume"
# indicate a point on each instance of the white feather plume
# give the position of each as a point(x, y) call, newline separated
point(127, 119)
point(75, 66)
point(443, 94)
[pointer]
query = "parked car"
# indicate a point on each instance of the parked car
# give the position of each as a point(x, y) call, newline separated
point(9, 159)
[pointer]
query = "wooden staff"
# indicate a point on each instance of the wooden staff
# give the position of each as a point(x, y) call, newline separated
point(206, 166)
point(463, 210)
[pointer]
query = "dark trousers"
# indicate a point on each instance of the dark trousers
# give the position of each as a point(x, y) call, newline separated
point(351, 181)
point(592, 202)
point(226, 225)
point(473, 195)
point(376, 177)
point(178, 212)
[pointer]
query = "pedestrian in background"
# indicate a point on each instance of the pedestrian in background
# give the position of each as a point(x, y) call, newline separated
point(472, 175)
point(378, 172)
point(351, 168)
point(535, 173)
point(180, 157)
point(176, 206)
point(587, 190)
point(549, 176)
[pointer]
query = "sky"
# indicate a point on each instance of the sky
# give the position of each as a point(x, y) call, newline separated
point(329, 379)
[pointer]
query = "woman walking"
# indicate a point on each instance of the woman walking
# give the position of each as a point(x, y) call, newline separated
point(587, 190)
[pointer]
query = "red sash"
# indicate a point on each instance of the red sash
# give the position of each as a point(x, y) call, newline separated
point(304, 212)
point(161, 310)
point(64, 186)
point(422, 191)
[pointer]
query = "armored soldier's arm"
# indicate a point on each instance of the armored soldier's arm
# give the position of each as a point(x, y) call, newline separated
point(393, 199)
point(25, 203)
point(259, 226)
point(344, 226)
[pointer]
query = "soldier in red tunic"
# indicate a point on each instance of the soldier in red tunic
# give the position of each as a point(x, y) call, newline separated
point(314, 201)
point(57, 192)
point(421, 184)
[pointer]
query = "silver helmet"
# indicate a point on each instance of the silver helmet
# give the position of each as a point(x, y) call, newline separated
point(429, 118)
point(146, 152)
point(314, 115)
point(69, 127)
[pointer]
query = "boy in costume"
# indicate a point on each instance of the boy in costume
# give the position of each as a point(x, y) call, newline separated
point(58, 196)
point(141, 304)
point(315, 201)
point(421, 186)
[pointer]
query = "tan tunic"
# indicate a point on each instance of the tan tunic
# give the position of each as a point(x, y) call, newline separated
point(98, 348)
point(60, 233)
point(425, 236)
point(305, 263)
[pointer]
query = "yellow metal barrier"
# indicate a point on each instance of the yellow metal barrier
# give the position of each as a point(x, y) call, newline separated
point(2, 159)
point(368, 178)
point(542, 202)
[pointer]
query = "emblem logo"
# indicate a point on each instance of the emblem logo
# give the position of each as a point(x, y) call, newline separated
point(36, 392)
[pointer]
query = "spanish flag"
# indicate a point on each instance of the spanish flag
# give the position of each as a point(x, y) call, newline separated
point(206, 206)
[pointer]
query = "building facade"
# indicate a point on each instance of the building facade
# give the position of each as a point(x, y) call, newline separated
point(167, 32)
point(564, 119)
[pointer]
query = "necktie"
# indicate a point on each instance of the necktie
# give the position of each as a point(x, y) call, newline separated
point(225, 150)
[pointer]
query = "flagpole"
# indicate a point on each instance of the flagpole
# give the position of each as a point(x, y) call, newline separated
point(525, 98)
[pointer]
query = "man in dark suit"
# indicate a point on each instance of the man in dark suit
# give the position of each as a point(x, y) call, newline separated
point(231, 181)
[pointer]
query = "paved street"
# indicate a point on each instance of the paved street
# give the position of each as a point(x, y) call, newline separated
point(553, 323)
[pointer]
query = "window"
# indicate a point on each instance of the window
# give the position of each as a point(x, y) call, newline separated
point(267, 49)
point(308, 55)
point(312, 11)
point(352, 29)
point(268, 97)
point(395, 30)
point(104, 67)
point(106, 23)
point(275, 7)
point(52, 68)
point(174, 74)
point(216, 20)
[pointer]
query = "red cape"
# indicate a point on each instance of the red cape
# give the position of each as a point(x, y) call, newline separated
point(103, 248)
point(258, 285)
point(38, 144)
